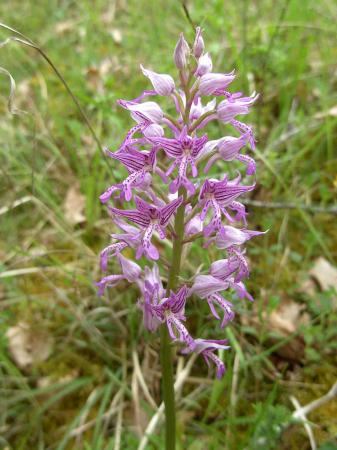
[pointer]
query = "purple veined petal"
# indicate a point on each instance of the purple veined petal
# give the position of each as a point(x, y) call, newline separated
point(108, 281)
point(205, 209)
point(241, 290)
point(142, 205)
point(149, 249)
point(211, 82)
point(198, 145)
point(250, 163)
point(205, 65)
point(193, 226)
point(132, 159)
point(230, 236)
point(150, 111)
point(109, 251)
point(189, 186)
point(176, 302)
point(215, 224)
point(172, 147)
point(211, 344)
point(130, 269)
point(163, 84)
point(228, 193)
point(129, 229)
point(139, 251)
point(244, 129)
point(224, 304)
point(198, 45)
point(220, 366)
point(152, 276)
point(108, 193)
point(240, 211)
point(153, 130)
point(183, 334)
point(181, 53)
point(205, 285)
point(133, 215)
point(230, 146)
point(224, 268)
point(209, 147)
point(134, 179)
point(226, 111)
point(168, 210)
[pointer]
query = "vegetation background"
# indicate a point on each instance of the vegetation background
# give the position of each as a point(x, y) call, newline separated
point(77, 371)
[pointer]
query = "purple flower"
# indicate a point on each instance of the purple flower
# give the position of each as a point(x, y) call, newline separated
point(203, 211)
point(211, 83)
point(205, 65)
point(228, 109)
point(147, 112)
point(181, 53)
point(228, 149)
point(184, 151)
point(163, 84)
point(110, 251)
point(152, 294)
point(235, 264)
point(233, 236)
point(218, 195)
point(131, 272)
point(198, 46)
point(151, 219)
point(208, 286)
point(138, 163)
point(171, 311)
point(206, 348)
point(108, 281)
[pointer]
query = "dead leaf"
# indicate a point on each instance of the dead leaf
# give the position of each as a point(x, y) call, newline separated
point(64, 27)
point(324, 273)
point(116, 35)
point(28, 346)
point(332, 112)
point(288, 317)
point(74, 205)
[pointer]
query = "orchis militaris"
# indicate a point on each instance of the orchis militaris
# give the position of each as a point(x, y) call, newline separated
point(167, 201)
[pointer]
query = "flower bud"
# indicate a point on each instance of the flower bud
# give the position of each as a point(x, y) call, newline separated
point(198, 46)
point(163, 84)
point(181, 53)
point(205, 65)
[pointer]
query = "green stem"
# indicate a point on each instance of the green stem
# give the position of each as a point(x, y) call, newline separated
point(165, 350)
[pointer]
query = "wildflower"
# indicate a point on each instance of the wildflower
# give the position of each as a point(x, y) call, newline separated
point(211, 83)
point(163, 84)
point(228, 149)
point(205, 65)
point(151, 219)
point(228, 109)
point(181, 53)
point(184, 151)
point(218, 195)
point(171, 311)
point(162, 154)
point(199, 45)
point(208, 286)
point(206, 348)
point(131, 272)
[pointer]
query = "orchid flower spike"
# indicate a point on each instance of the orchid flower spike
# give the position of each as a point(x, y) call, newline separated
point(163, 199)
